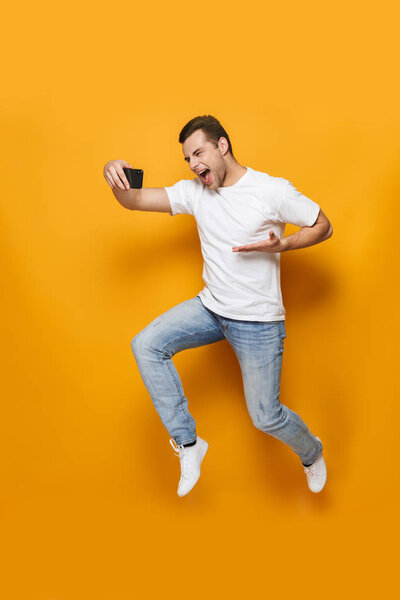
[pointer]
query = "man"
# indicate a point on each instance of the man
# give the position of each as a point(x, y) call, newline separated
point(241, 215)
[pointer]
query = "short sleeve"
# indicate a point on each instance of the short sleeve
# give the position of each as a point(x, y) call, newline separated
point(182, 196)
point(296, 208)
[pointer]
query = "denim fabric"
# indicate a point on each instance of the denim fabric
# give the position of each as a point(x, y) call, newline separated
point(258, 346)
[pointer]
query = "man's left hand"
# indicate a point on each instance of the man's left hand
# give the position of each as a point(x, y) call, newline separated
point(272, 244)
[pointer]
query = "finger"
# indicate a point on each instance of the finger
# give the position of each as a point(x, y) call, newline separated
point(123, 177)
point(117, 181)
point(243, 249)
point(109, 181)
point(114, 177)
point(109, 178)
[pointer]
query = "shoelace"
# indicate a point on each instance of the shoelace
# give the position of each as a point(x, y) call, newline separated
point(310, 471)
point(183, 456)
point(177, 447)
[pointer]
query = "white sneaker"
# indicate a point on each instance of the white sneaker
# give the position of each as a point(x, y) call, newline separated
point(316, 474)
point(190, 457)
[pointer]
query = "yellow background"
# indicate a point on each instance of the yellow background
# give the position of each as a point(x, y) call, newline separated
point(88, 506)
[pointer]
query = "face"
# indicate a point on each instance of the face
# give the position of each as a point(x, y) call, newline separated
point(201, 153)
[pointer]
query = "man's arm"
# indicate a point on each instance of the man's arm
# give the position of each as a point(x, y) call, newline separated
point(308, 236)
point(305, 236)
point(155, 199)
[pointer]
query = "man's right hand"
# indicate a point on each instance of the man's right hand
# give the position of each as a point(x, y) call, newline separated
point(113, 172)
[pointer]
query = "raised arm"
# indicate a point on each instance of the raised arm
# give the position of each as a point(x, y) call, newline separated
point(153, 199)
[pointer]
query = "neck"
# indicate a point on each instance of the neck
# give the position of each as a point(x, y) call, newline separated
point(234, 172)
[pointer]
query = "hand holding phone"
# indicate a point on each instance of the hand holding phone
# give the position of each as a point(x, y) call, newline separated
point(120, 174)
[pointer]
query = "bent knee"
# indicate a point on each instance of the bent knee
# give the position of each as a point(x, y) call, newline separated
point(137, 343)
point(268, 420)
point(147, 341)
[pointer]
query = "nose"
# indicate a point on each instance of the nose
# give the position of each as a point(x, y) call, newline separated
point(193, 165)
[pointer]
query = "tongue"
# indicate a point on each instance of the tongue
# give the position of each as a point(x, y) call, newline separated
point(208, 177)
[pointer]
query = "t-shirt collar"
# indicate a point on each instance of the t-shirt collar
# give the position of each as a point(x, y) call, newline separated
point(237, 184)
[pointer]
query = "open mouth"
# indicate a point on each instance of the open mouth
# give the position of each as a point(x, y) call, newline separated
point(206, 175)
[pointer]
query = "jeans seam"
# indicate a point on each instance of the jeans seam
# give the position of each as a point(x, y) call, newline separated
point(178, 390)
point(276, 384)
point(282, 410)
point(188, 336)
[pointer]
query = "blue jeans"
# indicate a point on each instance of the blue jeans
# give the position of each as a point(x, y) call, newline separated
point(258, 346)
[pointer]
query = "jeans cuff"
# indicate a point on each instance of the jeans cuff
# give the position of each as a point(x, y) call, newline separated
point(186, 442)
point(316, 458)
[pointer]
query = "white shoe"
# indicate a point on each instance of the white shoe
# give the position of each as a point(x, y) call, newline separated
point(190, 457)
point(316, 474)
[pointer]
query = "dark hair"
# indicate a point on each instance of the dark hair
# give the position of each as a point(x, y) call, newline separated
point(211, 127)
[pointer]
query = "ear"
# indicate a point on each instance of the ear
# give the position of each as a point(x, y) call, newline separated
point(223, 145)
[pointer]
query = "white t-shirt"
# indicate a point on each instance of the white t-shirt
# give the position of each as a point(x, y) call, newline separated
point(242, 285)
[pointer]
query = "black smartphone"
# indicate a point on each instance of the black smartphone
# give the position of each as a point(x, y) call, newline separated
point(135, 177)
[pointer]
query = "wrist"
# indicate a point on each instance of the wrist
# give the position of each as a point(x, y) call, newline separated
point(285, 243)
